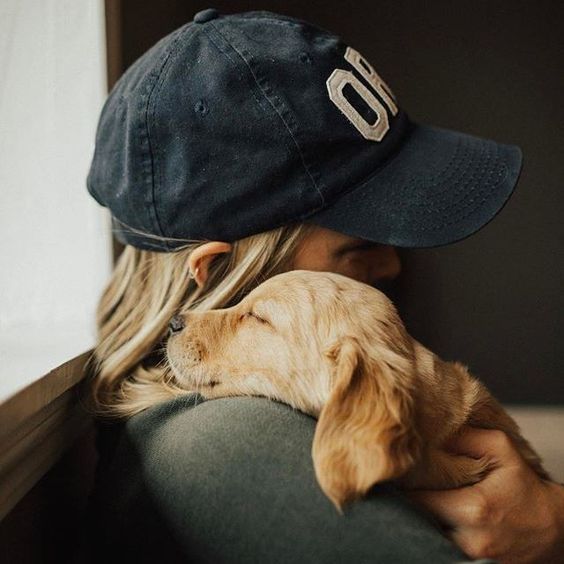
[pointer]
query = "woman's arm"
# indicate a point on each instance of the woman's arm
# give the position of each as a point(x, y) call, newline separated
point(232, 480)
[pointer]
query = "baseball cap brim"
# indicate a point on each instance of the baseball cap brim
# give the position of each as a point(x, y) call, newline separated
point(440, 187)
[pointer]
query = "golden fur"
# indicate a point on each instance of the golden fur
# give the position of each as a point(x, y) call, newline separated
point(127, 372)
point(335, 348)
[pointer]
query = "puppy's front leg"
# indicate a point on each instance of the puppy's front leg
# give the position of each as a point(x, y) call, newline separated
point(439, 470)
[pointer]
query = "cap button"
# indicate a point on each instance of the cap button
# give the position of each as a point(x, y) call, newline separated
point(205, 15)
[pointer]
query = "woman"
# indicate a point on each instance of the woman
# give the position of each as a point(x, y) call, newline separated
point(238, 147)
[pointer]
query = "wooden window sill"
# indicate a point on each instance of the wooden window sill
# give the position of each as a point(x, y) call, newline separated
point(37, 425)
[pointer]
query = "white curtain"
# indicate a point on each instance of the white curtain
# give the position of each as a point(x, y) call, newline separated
point(55, 248)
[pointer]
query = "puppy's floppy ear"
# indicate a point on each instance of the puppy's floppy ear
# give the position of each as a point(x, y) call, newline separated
point(365, 432)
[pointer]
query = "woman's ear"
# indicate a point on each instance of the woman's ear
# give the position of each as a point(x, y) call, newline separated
point(365, 432)
point(200, 258)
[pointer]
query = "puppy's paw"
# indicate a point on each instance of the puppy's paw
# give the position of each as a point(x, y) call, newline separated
point(441, 470)
point(465, 471)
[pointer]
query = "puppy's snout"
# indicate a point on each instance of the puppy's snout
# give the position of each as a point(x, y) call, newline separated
point(176, 324)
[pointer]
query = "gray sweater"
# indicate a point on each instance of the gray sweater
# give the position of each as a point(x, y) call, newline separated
point(231, 480)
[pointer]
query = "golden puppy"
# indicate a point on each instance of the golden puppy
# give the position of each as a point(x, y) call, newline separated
point(336, 349)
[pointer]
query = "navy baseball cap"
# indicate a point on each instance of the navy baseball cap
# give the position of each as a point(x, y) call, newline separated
point(235, 124)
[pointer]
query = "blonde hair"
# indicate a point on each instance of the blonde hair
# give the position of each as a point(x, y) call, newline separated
point(127, 370)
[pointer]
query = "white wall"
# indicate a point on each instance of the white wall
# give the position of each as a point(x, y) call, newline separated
point(54, 239)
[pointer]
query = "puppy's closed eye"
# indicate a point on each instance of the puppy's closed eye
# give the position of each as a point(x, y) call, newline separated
point(253, 315)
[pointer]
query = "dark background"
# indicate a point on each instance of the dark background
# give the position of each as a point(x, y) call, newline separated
point(491, 68)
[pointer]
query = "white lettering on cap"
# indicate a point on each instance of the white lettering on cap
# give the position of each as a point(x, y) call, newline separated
point(340, 78)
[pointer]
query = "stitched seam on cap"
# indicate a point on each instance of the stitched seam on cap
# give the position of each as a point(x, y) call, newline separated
point(405, 135)
point(470, 183)
point(218, 47)
point(150, 97)
point(302, 158)
point(480, 203)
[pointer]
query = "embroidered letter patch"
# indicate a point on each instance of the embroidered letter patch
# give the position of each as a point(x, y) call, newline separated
point(340, 78)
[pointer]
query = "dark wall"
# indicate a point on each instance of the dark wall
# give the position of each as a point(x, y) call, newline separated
point(491, 68)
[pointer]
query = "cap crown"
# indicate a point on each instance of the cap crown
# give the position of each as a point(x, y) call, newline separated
point(239, 124)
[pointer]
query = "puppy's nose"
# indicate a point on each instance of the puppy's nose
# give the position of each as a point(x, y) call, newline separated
point(176, 324)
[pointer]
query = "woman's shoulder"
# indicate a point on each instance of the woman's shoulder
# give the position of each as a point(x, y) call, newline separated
point(193, 419)
point(236, 474)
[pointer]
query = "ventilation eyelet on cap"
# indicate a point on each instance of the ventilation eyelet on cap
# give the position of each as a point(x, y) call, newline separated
point(205, 15)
